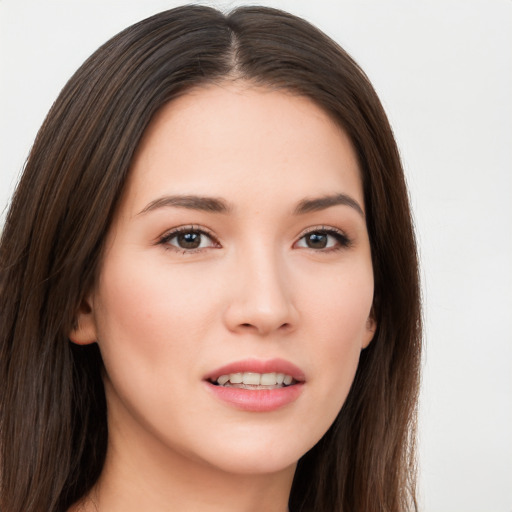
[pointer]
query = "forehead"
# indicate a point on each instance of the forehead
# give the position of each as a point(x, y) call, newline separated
point(237, 138)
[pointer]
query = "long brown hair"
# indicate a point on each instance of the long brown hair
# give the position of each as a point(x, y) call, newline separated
point(53, 429)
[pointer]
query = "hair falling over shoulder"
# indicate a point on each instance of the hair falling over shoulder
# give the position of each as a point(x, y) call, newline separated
point(53, 428)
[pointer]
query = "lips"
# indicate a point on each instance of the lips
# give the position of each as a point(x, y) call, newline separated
point(247, 380)
point(257, 386)
point(255, 366)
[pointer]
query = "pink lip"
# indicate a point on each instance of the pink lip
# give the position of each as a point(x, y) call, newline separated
point(258, 366)
point(257, 400)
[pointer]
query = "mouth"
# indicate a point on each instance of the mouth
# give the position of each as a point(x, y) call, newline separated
point(255, 385)
point(254, 381)
point(255, 374)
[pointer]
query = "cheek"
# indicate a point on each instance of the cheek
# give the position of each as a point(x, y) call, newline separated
point(338, 329)
point(151, 324)
point(149, 319)
point(338, 305)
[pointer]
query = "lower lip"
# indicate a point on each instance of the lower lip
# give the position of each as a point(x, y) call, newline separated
point(258, 400)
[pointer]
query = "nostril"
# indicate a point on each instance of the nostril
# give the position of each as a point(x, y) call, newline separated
point(283, 327)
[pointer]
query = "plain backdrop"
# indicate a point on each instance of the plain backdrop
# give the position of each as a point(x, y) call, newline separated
point(443, 70)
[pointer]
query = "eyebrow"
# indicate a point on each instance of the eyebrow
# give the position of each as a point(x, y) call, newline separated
point(217, 205)
point(206, 204)
point(322, 203)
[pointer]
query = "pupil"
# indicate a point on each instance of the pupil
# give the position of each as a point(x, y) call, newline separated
point(189, 240)
point(317, 241)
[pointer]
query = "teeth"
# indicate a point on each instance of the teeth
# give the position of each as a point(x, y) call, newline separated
point(223, 379)
point(256, 379)
point(251, 378)
point(236, 378)
point(268, 379)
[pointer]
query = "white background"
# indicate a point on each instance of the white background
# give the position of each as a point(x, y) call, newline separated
point(443, 70)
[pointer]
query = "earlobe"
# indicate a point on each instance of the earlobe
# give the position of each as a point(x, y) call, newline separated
point(371, 327)
point(84, 326)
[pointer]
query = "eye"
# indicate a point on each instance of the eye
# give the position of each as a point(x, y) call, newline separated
point(188, 239)
point(323, 239)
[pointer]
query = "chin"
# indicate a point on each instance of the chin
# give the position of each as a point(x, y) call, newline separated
point(258, 456)
point(262, 463)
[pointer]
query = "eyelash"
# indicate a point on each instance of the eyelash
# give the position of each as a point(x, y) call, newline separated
point(343, 241)
point(167, 237)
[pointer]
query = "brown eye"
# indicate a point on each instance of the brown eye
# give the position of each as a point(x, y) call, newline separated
point(323, 240)
point(316, 240)
point(188, 239)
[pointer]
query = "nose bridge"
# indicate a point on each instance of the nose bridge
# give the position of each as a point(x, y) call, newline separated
point(262, 299)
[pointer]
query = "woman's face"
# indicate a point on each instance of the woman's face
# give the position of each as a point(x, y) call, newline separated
point(239, 250)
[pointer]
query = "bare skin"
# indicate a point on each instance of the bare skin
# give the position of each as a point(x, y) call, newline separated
point(241, 240)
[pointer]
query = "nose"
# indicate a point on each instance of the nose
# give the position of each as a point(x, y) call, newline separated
point(261, 299)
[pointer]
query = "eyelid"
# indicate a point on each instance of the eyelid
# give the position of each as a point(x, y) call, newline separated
point(344, 241)
point(171, 233)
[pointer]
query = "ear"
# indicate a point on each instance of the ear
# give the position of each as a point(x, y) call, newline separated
point(371, 327)
point(84, 326)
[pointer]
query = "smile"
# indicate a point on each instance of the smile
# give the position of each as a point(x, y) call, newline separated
point(252, 380)
point(257, 386)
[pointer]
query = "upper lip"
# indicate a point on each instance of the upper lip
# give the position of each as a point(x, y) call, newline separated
point(258, 366)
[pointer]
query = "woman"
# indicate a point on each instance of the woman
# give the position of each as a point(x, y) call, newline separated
point(209, 285)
